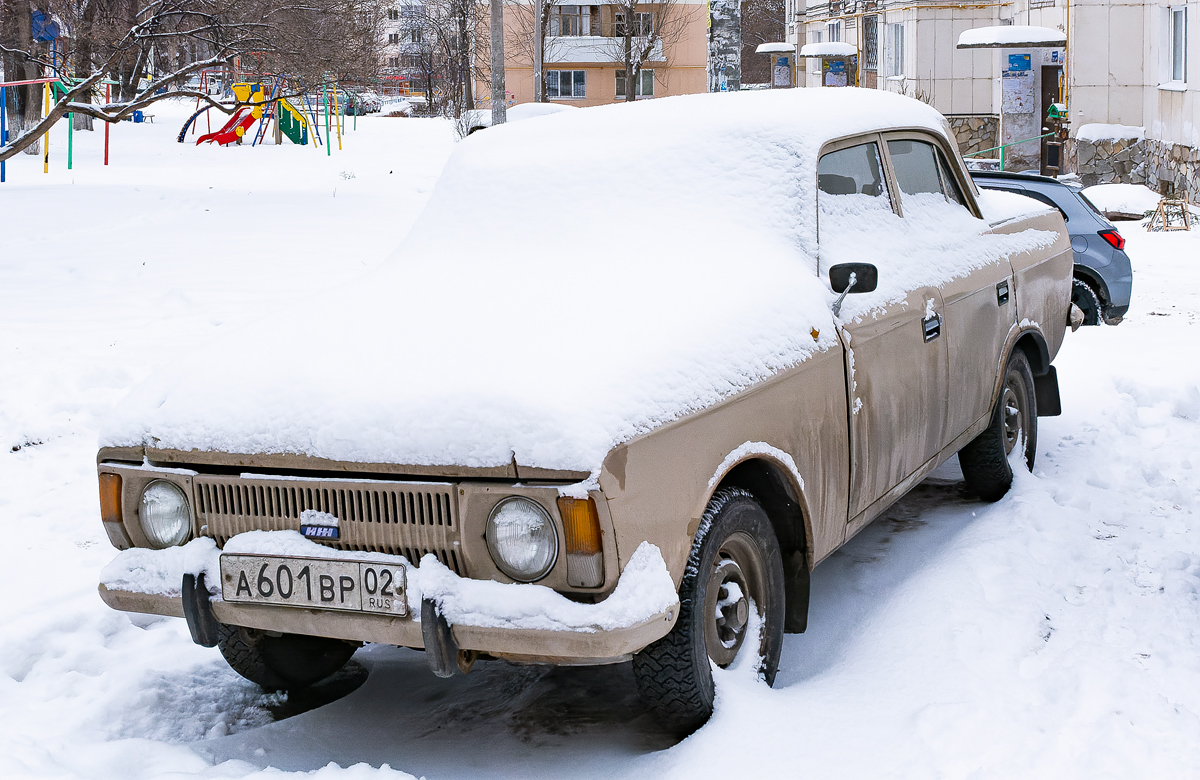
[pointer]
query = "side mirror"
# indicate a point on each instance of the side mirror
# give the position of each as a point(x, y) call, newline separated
point(866, 277)
point(846, 278)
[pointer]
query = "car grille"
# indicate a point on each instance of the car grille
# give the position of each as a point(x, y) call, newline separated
point(409, 519)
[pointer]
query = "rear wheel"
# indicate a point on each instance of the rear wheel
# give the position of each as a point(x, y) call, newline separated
point(985, 460)
point(284, 662)
point(1084, 296)
point(734, 567)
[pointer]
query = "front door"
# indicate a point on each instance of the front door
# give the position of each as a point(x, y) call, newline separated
point(896, 356)
point(1051, 94)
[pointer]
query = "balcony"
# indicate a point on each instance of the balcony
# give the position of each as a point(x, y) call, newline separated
point(573, 49)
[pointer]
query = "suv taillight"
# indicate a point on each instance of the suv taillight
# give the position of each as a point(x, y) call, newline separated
point(1114, 238)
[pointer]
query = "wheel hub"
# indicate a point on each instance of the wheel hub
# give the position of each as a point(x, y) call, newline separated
point(1013, 422)
point(728, 611)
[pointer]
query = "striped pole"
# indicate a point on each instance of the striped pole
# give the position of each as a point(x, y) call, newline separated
point(46, 139)
point(3, 127)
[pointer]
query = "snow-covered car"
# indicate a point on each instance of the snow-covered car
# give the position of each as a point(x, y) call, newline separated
point(481, 118)
point(1103, 274)
point(595, 428)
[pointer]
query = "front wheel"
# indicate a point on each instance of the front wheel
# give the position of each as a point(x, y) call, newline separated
point(985, 460)
point(283, 662)
point(735, 566)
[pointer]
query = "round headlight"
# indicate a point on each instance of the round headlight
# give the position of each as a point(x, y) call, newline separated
point(164, 514)
point(522, 539)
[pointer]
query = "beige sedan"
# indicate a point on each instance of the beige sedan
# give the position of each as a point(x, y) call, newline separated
point(604, 455)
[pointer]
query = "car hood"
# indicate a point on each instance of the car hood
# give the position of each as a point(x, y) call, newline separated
point(545, 307)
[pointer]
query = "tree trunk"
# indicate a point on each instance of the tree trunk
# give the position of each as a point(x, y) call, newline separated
point(24, 102)
point(539, 50)
point(499, 105)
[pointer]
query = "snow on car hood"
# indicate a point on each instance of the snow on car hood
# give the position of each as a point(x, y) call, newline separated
point(572, 283)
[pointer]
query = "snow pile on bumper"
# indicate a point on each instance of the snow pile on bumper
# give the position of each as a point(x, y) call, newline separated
point(644, 591)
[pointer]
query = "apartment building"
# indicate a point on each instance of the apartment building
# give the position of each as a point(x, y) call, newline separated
point(583, 53)
point(1125, 63)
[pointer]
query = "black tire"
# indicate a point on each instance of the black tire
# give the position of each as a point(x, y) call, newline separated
point(285, 662)
point(1085, 297)
point(735, 544)
point(984, 460)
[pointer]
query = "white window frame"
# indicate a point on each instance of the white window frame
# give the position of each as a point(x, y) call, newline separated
point(553, 90)
point(393, 39)
point(895, 50)
point(645, 79)
point(835, 31)
point(1177, 45)
point(580, 24)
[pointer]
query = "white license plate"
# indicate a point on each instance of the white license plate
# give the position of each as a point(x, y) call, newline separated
point(314, 583)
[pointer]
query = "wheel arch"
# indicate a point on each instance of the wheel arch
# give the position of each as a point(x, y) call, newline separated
point(780, 491)
point(1094, 280)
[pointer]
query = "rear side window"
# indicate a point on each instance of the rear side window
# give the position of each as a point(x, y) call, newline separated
point(852, 171)
point(921, 169)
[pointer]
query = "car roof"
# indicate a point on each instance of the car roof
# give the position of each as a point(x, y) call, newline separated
point(1017, 177)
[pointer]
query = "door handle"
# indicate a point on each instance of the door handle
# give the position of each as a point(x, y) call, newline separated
point(1002, 293)
point(932, 327)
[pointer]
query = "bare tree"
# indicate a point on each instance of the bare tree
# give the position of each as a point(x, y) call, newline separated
point(642, 33)
point(528, 33)
point(150, 50)
point(762, 22)
point(441, 52)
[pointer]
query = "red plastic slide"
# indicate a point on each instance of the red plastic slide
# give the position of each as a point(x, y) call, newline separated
point(234, 129)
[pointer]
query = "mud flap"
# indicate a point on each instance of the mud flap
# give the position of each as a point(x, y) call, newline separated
point(197, 609)
point(1045, 389)
point(440, 647)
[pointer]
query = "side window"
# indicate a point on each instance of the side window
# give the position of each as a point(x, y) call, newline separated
point(920, 169)
point(852, 171)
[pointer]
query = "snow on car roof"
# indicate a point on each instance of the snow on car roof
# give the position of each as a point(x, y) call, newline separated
point(573, 282)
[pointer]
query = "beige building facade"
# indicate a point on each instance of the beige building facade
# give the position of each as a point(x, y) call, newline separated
point(583, 54)
point(1126, 63)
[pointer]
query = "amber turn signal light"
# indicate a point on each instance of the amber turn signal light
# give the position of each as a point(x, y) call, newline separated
point(581, 527)
point(110, 498)
point(581, 524)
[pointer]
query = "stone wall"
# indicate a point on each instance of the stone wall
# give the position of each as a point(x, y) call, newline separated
point(975, 133)
point(1169, 169)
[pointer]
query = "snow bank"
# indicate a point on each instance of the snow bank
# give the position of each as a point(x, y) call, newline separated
point(1122, 198)
point(644, 590)
point(545, 315)
point(1097, 132)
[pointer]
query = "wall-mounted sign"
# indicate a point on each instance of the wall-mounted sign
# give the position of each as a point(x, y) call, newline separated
point(1019, 62)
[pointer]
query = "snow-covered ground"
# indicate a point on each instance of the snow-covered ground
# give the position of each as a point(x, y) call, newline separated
point(1053, 634)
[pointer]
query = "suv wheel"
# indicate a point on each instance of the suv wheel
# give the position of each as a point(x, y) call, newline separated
point(984, 460)
point(1085, 297)
point(285, 662)
point(734, 566)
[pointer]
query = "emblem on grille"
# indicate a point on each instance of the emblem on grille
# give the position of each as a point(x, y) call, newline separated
point(321, 526)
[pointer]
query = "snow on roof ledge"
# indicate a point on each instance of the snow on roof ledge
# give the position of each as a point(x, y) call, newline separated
point(775, 48)
point(1006, 36)
point(1101, 132)
point(828, 49)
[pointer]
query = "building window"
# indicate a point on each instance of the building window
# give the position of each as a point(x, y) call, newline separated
point(412, 10)
point(393, 38)
point(645, 84)
point(1178, 47)
point(571, 20)
point(416, 35)
point(870, 36)
point(393, 14)
point(817, 37)
point(895, 50)
point(566, 83)
point(643, 24)
point(835, 31)
point(393, 62)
